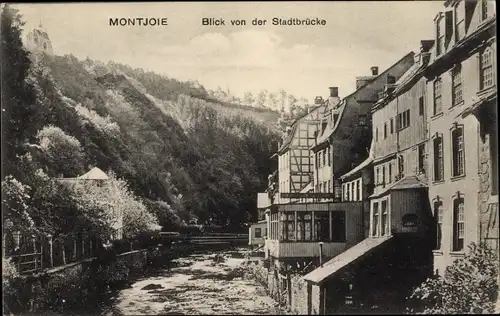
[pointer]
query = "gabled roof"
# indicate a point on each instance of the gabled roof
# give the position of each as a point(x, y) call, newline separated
point(329, 131)
point(410, 182)
point(331, 126)
point(407, 80)
point(345, 258)
point(294, 125)
point(94, 174)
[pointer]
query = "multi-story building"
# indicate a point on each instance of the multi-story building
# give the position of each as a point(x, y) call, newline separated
point(295, 165)
point(345, 136)
point(397, 252)
point(399, 145)
point(462, 79)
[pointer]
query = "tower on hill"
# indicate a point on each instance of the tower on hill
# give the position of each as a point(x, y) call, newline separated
point(38, 40)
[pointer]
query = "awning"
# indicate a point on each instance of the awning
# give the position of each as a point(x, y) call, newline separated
point(319, 275)
point(411, 182)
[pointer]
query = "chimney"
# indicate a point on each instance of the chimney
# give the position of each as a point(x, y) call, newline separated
point(334, 92)
point(374, 70)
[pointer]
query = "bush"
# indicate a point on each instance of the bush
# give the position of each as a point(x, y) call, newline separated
point(469, 285)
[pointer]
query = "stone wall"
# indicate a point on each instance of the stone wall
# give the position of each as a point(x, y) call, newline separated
point(315, 300)
point(299, 295)
point(68, 287)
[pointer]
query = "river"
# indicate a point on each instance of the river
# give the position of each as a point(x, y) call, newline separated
point(197, 284)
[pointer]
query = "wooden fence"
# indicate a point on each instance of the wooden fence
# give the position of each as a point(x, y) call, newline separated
point(31, 252)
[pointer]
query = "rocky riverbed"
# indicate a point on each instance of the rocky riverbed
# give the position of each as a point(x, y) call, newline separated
point(198, 284)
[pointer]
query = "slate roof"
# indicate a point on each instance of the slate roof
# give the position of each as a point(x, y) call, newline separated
point(410, 182)
point(345, 258)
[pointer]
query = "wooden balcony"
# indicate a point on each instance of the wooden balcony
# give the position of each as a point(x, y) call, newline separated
point(297, 229)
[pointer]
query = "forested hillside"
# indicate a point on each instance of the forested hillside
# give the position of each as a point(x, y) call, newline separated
point(186, 157)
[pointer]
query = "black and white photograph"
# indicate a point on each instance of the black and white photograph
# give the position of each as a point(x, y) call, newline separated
point(249, 158)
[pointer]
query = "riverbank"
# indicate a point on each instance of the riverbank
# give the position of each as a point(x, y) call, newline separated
point(200, 283)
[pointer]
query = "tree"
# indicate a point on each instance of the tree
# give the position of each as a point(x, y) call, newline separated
point(262, 98)
point(19, 115)
point(273, 101)
point(61, 152)
point(469, 285)
point(15, 205)
point(248, 98)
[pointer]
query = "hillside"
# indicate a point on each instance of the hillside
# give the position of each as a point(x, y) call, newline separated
point(188, 157)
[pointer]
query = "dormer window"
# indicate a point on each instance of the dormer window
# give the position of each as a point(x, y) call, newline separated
point(439, 37)
point(459, 21)
point(484, 9)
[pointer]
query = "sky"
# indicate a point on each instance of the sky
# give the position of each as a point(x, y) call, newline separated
point(302, 60)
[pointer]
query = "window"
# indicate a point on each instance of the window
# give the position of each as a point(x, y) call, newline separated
point(437, 97)
point(389, 180)
point(460, 24)
point(392, 125)
point(401, 166)
point(362, 120)
point(404, 119)
point(438, 213)
point(458, 224)
point(456, 80)
point(338, 226)
point(440, 38)
point(360, 194)
point(321, 226)
point(484, 9)
point(421, 106)
point(329, 156)
point(486, 68)
point(290, 226)
point(383, 175)
point(377, 177)
point(375, 220)
point(319, 159)
point(457, 138)
point(438, 159)
point(258, 233)
point(421, 158)
point(303, 226)
point(353, 191)
point(321, 187)
point(376, 134)
point(385, 219)
point(329, 186)
point(385, 130)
